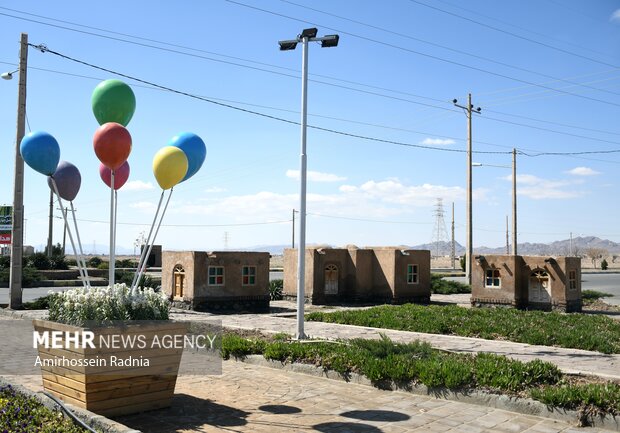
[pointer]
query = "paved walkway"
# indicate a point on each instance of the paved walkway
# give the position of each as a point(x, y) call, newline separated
point(250, 398)
point(572, 361)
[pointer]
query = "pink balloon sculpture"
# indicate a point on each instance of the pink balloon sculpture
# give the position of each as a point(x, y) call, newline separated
point(121, 175)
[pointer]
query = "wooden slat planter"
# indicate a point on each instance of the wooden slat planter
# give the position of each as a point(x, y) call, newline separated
point(109, 389)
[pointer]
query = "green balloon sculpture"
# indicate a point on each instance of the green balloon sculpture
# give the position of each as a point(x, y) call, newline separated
point(113, 101)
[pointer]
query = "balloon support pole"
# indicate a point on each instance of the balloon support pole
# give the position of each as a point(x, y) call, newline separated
point(81, 259)
point(142, 269)
point(64, 215)
point(112, 224)
point(142, 261)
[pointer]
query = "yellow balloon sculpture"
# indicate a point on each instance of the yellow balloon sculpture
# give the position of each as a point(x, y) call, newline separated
point(169, 166)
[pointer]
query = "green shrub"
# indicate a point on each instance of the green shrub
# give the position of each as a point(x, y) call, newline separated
point(442, 286)
point(588, 398)
point(103, 265)
point(39, 261)
point(127, 277)
point(5, 262)
point(42, 303)
point(71, 262)
point(94, 262)
point(58, 262)
point(19, 413)
point(30, 276)
point(239, 347)
point(604, 265)
point(505, 374)
point(126, 263)
point(275, 289)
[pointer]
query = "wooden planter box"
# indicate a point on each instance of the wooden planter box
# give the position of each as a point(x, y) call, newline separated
point(113, 380)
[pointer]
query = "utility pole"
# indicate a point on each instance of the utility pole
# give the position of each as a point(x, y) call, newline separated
point(453, 249)
point(514, 202)
point(51, 226)
point(507, 238)
point(571, 245)
point(469, 238)
point(17, 235)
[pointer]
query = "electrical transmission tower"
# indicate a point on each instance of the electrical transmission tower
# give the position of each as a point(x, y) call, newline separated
point(440, 234)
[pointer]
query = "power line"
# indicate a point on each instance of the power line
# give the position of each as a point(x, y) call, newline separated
point(478, 13)
point(434, 44)
point(191, 225)
point(497, 29)
point(44, 49)
point(430, 56)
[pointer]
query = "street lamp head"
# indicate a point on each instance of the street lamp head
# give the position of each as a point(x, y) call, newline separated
point(330, 41)
point(476, 164)
point(8, 75)
point(478, 109)
point(287, 45)
point(309, 33)
point(454, 101)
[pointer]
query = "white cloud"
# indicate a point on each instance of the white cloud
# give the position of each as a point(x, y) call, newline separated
point(437, 141)
point(316, 176)
point(137, 185)
point(615, 16)
point(373, 199)
point(215, 189)
point(583, 171)
point(537, 188)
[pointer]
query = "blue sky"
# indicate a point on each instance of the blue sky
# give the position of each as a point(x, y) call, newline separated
point(544, 72)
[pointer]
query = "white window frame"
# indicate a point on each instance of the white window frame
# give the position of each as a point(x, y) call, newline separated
point(209, 276)
point(249, 275)
point(493, 278)
point(413, 270)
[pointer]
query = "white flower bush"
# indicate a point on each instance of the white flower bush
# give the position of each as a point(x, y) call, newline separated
point(100, 305)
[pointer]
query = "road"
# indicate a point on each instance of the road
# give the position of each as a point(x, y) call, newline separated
point(609, 283)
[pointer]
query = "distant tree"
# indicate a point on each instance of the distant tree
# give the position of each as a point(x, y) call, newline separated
point(613, 258)
point(595, 253)
point(604, 265)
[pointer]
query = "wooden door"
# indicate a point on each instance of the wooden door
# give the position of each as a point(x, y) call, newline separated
point(331, 280)
point(179, 281)
point(539, 287)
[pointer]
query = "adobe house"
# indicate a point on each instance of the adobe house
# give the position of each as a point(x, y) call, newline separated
point(531, 282)
point(201, 280)
point(383, 274)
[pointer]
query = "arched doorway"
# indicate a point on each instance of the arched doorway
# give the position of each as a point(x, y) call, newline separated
point(179, 281)
point(331, 280)
point(539, 287)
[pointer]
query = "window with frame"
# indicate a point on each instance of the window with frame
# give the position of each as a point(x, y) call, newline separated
point(412, 274)
point(248, 275)
point(572, 279)
point(216, 275)
point(493, 278)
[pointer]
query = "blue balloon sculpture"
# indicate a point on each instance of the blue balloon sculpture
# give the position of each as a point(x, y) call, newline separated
point(41, 152)
point(68, 180)
point(194, 148)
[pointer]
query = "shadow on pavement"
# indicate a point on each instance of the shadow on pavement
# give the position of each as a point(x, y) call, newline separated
point(346, 427)
point(279, 409)
point(376, 415)
point(187, 412)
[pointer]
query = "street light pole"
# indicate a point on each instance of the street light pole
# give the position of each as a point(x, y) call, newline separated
point(50, 227)
point(17, 235)
point(307, 35)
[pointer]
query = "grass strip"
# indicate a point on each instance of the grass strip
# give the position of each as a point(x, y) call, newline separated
point(576, 331)
point(416, 362)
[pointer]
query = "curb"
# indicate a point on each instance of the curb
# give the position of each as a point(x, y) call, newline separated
point(97, 422)
point(525, 406)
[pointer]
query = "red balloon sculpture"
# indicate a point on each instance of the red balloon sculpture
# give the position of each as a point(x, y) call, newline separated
point(121, 175)
point(112, 143)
